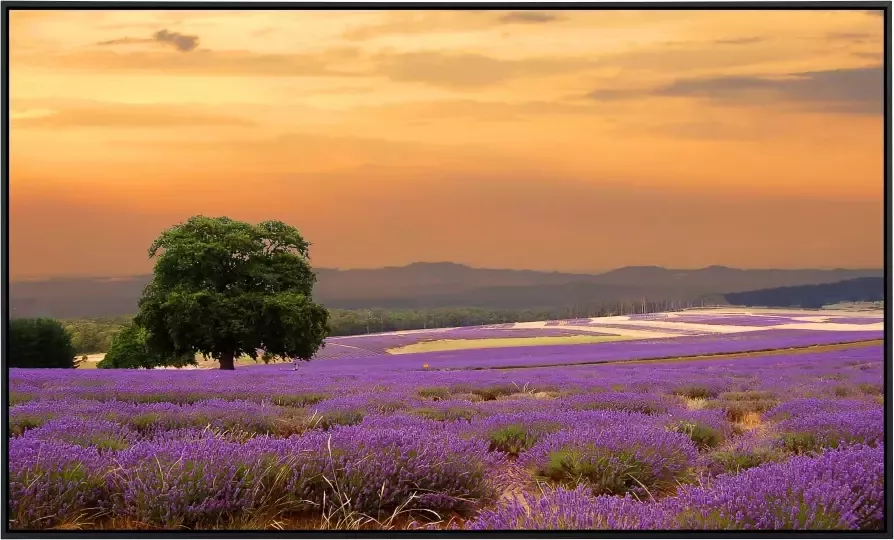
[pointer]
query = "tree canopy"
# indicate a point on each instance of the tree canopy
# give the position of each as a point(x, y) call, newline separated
point(129, 350)
point(39, 343)
point(223, 288)
point(94, 335)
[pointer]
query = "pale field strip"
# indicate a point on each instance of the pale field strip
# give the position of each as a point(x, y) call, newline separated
point(805, 320)
point(398, 333)
point(811, 319)
point(721, 329)
point(644, 334)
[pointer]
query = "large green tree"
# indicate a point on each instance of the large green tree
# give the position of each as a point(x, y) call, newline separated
point(39, 343)
point(224, 288)
point(129, 350)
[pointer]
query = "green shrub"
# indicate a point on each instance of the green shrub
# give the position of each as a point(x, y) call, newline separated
point(844, 391)
point(738, 405)
point(695, 392)
point(872, 389)
point(17, 398)
point(21, 423)
point(298, 400)
point(435, 393)
point(703, 436)
point(732, 461)
point(512, 440)
point(491, 393)
point(339, 418)
point(804, 443)
point(605, 472)
point(129, 350)
point(39, 343)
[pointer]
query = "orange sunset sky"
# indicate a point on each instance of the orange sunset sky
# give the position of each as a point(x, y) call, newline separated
point(574, 141)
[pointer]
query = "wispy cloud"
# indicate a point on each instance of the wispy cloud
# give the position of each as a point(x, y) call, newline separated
point(102, 115)
point(739, 41)
point(528, 17)
point(204, 62)
point(857, 90)
point(853, 90)
point(181, 42)
point(471, 70)
point(856, 37)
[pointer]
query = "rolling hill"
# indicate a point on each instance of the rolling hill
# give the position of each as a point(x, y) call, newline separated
point(868, 289)
point(432, 285)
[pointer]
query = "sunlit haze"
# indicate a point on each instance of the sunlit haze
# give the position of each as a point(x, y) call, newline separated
point(573, 141)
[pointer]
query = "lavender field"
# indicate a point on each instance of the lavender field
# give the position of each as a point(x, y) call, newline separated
point(780, 440)
point(817, 327)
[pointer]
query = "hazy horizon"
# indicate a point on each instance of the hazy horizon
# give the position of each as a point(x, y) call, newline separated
point(544, 270)
point(571, 141)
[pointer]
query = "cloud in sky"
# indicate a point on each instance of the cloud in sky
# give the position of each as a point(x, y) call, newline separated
point(105, 115)
point(739, 41)
point(441, 124)
point(471, 70)
point(181, 42)
point(858, 90)
point(528, 17)
point(203, 62)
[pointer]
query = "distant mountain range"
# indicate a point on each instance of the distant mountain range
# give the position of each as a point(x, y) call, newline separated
point(433, 285)
point(867, 289)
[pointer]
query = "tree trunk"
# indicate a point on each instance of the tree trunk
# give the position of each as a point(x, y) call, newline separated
point(226, 361)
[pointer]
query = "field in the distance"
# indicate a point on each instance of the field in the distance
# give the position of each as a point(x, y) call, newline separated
point(727, 420)
point(598, 329)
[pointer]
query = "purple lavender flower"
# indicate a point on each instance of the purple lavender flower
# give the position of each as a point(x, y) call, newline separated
point(100, 434)
point(810, 425)
point(706, 428)
point(619, 401)
point(749, 450)
point(52, 483)
point(842, 489)
point(558, 508)
point(645, 460)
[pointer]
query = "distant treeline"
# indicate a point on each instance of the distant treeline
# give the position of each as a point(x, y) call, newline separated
point(89, 336)
point(94, 335)
point(348, 322)
point(868, 289)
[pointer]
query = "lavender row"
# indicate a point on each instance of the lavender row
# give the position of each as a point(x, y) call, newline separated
point(624, 326)
point(197, 480)
point(839, 490)
point(733, 320)
point(614, 351)
point(279, 443)
point(379, 344)
point(818, 373)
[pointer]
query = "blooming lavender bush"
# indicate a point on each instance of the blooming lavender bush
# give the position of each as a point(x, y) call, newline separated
point(747, 451)
point(203, 483)
point(514, 433)
point(706, 428)
point(53, 483)
point(619, 401)
point(265, 445)
point(842, 489)
point(810, 425)
point(644, 460)
point(558, 508)
point(99, 434)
